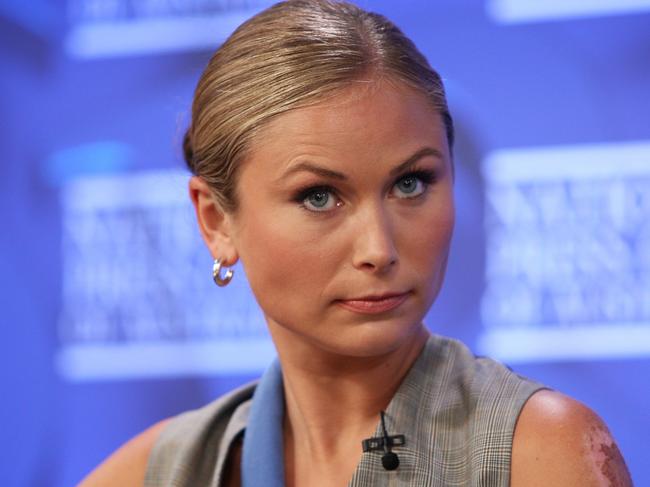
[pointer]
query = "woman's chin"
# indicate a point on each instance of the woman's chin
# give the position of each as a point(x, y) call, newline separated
point(373, 339)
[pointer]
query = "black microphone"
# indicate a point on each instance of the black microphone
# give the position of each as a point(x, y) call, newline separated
point(389, 460)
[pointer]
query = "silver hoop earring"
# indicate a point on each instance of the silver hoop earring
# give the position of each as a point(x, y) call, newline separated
point(216, 274)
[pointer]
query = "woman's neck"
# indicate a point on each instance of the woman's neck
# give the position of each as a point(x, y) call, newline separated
point(333, 402)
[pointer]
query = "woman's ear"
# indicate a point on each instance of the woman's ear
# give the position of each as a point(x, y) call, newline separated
point(214, 223)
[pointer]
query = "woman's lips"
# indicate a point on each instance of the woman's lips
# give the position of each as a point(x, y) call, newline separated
point(373, 306)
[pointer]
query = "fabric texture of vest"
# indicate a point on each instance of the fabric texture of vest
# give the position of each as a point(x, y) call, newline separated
point(457, 411)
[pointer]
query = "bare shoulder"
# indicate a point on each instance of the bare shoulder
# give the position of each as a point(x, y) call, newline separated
point(561, 442)
point(126, 467)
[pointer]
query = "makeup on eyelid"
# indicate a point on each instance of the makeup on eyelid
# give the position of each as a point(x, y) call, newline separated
point(425, 176)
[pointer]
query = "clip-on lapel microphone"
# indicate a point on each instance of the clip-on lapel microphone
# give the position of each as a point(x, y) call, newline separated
point(389, 460)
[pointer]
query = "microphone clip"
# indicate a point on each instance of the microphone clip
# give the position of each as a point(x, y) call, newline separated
point(390, 461)
point(378, 443)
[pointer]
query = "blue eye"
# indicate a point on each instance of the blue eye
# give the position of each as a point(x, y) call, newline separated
point(408, 185)
point(322, 199)
point(319, 199)
point(414, 184)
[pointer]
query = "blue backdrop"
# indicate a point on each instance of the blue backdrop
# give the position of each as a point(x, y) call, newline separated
point(110, 321)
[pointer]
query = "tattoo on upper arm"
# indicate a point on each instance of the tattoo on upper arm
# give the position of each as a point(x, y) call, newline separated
point(609, 460)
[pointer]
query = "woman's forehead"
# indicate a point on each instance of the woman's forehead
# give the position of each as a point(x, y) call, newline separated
point(362, 150)
point(387, 114)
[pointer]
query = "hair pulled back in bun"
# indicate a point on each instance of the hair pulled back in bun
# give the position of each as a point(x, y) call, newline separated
point(291, 55)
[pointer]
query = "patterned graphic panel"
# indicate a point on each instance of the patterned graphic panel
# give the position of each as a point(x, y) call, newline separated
point(138, 293)
point(130, 27)
point(514, 11)
point(568, 254)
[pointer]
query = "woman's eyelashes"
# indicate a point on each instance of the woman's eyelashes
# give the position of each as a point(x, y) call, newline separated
point(323, 198)
point(415, 183)
point(318, 199)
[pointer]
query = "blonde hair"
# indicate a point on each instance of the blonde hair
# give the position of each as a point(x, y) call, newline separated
point(291, 55)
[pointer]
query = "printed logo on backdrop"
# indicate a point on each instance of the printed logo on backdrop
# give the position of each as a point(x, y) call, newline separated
point(517, 11)
point(138, 295)
point(568, 253)
point(107, 28)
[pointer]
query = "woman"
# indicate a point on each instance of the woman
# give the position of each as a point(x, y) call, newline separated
point(321, 145)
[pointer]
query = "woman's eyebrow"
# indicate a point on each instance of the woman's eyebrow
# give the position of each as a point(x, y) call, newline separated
point(425, 151)
point(328, 173)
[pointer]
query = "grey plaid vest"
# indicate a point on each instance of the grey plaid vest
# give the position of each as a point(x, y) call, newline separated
point(457, 412)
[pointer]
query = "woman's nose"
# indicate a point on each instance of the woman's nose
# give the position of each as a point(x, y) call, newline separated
point(374, 244)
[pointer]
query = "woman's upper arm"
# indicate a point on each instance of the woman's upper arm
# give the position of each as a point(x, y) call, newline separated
point(561, 442)
point(127, 466)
